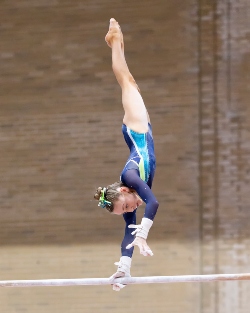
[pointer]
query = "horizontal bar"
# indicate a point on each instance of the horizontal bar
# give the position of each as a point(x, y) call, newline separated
point(126, 281)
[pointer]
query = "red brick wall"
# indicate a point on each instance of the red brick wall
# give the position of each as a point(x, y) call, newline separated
point(60, 138)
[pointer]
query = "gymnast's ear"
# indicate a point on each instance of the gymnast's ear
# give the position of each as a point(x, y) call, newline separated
point(124, 189)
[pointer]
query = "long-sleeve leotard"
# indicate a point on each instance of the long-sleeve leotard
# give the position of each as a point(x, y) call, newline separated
point(138, 174)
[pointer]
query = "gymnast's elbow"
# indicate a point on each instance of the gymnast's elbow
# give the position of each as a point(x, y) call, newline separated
point(155, 205)
point(152, 209)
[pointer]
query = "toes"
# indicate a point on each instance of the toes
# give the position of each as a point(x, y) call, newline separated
point(114, 32)
point(113, 23)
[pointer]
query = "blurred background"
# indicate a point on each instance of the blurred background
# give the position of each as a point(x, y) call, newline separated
point(60, 139)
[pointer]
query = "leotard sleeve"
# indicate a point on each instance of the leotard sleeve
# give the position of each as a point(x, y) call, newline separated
point(129, 218)
point(132, 180)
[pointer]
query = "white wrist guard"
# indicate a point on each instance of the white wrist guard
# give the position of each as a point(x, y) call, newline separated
point(124, 265)
point(142, 229)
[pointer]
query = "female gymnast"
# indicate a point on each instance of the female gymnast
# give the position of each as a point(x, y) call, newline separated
point(134, 187)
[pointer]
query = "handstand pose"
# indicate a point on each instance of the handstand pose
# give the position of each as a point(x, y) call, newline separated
point(134, 187)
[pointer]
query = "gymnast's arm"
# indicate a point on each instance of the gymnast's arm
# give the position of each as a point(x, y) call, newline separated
point(129, 218)
point(131, 179)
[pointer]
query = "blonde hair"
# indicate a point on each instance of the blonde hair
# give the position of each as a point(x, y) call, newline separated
point(111, 194)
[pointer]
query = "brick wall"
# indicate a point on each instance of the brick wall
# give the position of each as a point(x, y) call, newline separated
point(60, 138)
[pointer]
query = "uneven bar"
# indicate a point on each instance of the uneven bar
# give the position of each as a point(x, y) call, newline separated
point(126, 281)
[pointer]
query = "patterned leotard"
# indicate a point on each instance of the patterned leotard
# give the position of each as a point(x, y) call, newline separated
point(138, 174)
point(142, 155)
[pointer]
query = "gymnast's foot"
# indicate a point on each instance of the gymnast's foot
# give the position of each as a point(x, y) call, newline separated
point(114, 33)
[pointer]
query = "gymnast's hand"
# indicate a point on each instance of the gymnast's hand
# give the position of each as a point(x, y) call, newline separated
point(143, 246)
point(123, 270)
point(117, 286)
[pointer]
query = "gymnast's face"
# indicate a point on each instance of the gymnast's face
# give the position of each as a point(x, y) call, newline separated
point(127, 202)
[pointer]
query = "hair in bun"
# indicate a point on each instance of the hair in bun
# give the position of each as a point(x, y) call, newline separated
point(108, 195)
point(98, 193)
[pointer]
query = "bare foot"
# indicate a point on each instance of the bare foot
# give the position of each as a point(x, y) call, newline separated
point(114, 33)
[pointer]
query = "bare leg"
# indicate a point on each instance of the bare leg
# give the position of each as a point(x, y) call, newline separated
point(136, 115)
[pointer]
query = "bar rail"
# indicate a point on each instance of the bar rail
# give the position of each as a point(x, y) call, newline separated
point(126, 281)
